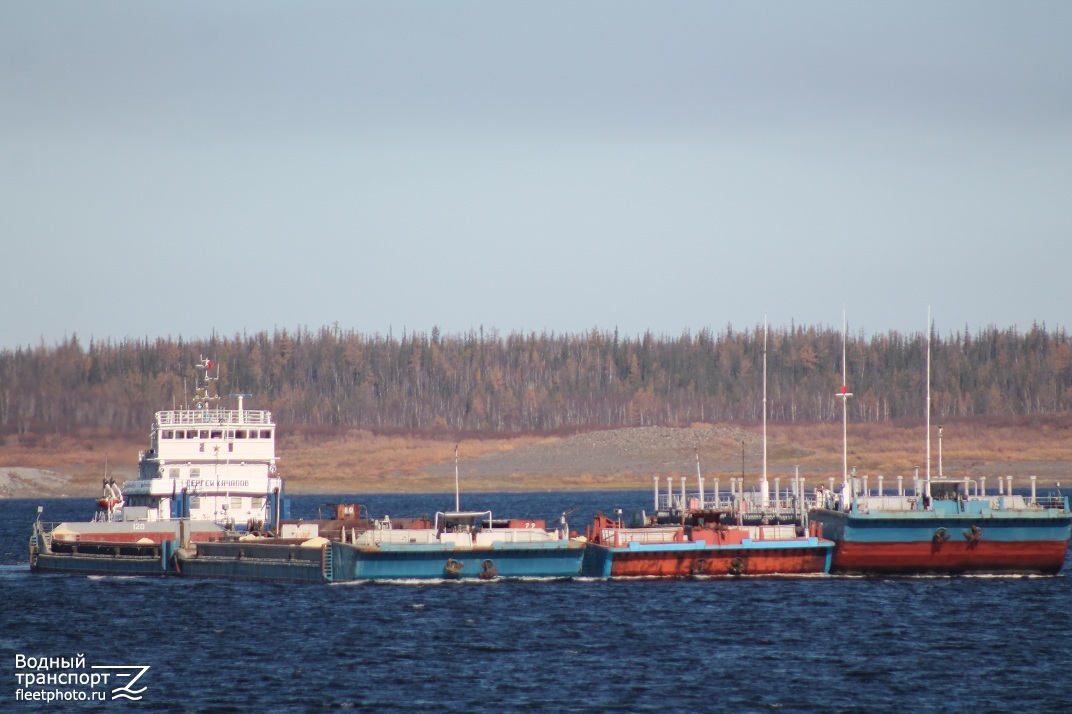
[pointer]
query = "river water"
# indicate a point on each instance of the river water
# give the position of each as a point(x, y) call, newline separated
point(812, 644)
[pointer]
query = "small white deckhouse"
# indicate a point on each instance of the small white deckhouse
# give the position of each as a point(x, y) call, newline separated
point(204, 463)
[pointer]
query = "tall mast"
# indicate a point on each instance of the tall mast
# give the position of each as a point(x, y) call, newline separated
point(457, 493)
point(765, 498)
point(928, 420)
point(844, 397)
point(699, 477)
point(203, 396)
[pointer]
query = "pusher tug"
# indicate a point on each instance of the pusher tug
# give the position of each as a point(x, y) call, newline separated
point(208, 471)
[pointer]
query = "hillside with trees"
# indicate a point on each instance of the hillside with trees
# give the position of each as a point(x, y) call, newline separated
point(489, 382)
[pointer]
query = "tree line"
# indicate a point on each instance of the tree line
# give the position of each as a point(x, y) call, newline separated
point(487, 381)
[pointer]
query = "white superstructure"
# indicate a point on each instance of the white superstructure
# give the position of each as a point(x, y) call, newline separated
point(205, 463)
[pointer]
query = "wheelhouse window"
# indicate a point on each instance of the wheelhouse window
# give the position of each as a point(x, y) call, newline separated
point(266, 433)
point(167, 434)
point(191, 433)
point(240, 433)
point(203, 434)
point(217, 434)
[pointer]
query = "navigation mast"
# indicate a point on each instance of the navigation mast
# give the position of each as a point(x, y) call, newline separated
point(844, 395)
point(765, 498)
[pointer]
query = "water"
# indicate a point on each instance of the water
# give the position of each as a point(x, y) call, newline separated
point(815, 644)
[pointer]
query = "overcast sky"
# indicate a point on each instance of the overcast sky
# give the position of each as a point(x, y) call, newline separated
point(183, 168)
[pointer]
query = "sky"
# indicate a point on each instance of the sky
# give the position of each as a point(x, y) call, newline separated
point(185, 169)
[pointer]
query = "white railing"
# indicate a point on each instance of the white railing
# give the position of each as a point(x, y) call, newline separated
point(621, 536)
point(1057, 502)
point(214, 416)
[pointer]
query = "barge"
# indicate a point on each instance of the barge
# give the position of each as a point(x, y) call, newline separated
point(617, 550)
point(947, 526)
point(460, 544)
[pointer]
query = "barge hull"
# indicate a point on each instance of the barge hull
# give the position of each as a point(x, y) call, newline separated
point(287, 562)
point(603, 561)
point(953, 557)
point(555, 560)
point(926, 542)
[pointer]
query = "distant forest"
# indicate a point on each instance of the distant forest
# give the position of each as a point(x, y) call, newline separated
point(487, 382)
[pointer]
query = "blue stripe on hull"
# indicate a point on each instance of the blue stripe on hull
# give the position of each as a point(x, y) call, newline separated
point(921, 526)
point(597, 562)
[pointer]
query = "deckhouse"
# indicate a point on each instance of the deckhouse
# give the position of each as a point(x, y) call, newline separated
point(206, 463)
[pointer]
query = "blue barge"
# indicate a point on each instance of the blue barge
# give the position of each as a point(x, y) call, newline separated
point(459, 545)
point(946, 529)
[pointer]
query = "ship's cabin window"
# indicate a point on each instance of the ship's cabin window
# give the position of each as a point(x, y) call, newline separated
point(167, 434)
point(236, 502)
point(253, 433)
point(229, 434)
point(191, 433)
point(173, 473)
point(240, 434)
point(195, 473)
point(266, 433)
point(203, 434)
point(217, 434)
point(258, 502)
point(180, 434)
point(195, 502)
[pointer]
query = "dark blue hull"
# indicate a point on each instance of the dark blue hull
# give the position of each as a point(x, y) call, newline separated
point(256, 561)
point(99, 565)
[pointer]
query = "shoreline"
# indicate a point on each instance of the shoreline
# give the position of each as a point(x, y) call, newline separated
point(360, 461)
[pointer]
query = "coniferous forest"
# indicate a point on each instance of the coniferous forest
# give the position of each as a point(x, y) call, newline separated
point(489, 382)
